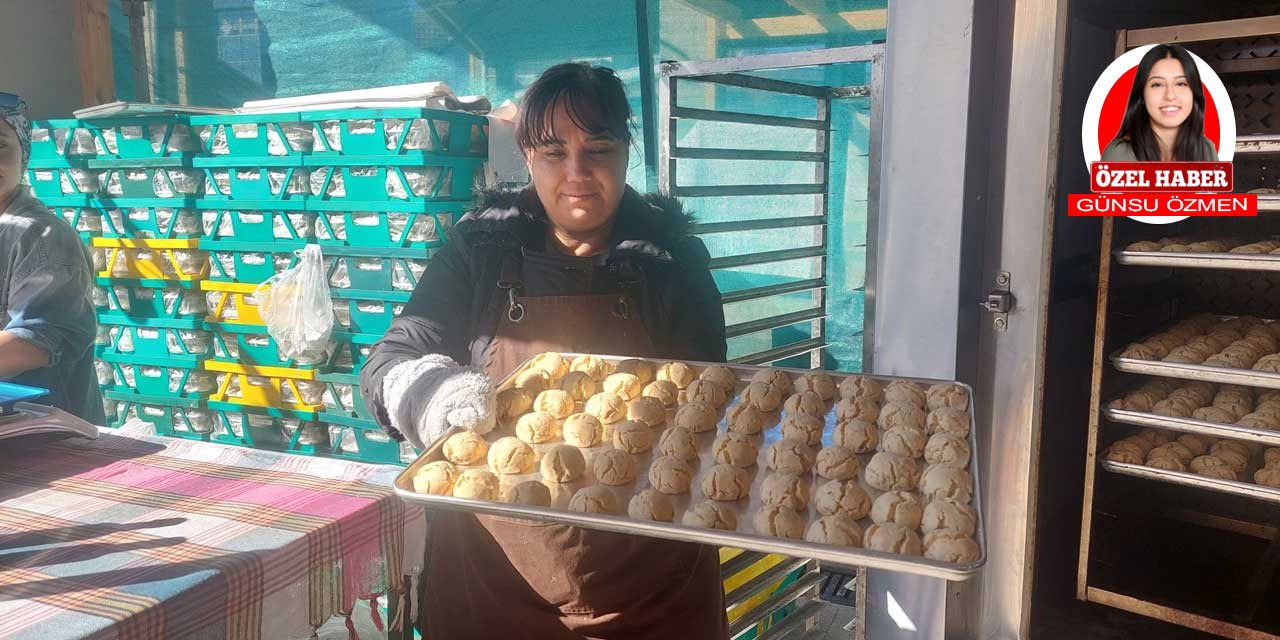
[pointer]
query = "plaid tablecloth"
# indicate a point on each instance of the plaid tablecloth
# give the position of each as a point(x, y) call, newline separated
point(135, 537)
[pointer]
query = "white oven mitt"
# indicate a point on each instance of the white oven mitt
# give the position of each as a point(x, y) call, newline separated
point(428, 396)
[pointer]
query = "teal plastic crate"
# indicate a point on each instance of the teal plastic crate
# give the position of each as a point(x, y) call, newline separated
point(148, 218)
point(168, 416)
point(168, 377)
point(265, 135)
point(265, 226)
point(261, 184)
point(359, 439)
point(380, 180)
point(59, 183)
point(350, 351)
point(144, 299)
point(60, 139)
point(359, 275)
point(389, 229)
point(251, 346)
point(263, 428)
point(87, 221)
point(249, 262)
point(342, 395)
point(412, 132)
point(150, 183)
point(357, 312)
point(153, 140)
point(184, 342)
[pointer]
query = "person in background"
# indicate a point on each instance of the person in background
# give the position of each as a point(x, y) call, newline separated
point(46, 306)
point(1164, 118)
point(575, 262)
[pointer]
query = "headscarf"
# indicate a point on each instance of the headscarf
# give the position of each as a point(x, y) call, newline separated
point(20, 119)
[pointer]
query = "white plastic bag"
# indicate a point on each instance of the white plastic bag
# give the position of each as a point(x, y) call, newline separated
point(296, 307)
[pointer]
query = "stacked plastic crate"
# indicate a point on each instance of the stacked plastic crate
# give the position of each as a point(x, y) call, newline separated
point(378, 191)
point(129, 187)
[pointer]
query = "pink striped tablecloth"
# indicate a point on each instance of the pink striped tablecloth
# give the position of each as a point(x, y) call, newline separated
point(134, 537)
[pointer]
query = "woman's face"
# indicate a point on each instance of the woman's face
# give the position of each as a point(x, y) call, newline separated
point(10, 161)
point(1168, 94)
point(579, 177)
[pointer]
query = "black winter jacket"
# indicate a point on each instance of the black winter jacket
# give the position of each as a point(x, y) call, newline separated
point(456, 306)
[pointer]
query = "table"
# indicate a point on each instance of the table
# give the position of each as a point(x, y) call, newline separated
point(134, 537)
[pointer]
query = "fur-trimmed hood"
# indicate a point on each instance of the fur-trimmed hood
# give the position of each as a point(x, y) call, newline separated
point(650, 223)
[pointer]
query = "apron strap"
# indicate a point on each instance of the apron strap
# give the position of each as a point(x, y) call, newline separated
point(509, 280)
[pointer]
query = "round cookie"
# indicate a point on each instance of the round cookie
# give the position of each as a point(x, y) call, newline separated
point(563, 463)
point(860, 388)
point(904, 441)
point(607, 407)
point(1197, 444)
point(947, 482)
point(900, 414)
point(891, 472)
point(1126, 452)
point(435, 478)
point(817, 382)
point(613, 467)
point(670, 475)
point(1268, 477)
point(948, 420)
point(512, 403)
point(784, 490)
point(709, 514)
point(579, 385)
point(726, 482)
point(905, 391)
point(537, 428)
point(805, 402)
point(706, 392)
point(836, 529)
point(736, 449)
point(803, 428)
point(947, 394)
point(778, 521)
point(594, 499)
point(945, 513)
point(847, 497)
point(651, 505)
point(625, 385)
point(859, 435)
point(947, 449)
point(721, 376)
point(678, 442)
point(746, 419)
point(903, 507)
point(511, 456)
point(552, 363)
point(891, 537)
point(857, 409)
point(763, 396)
point(663, 391)
point(677, 373)
point(593, 366)
point(533, 381)
point(1271, 457)
point(465, 448)
point(1167, 462)
point(775, 378)
point(556, 403)
point(789, 456)
point(647, 410)
point(632, 437)
point(696, 417)
point(837, 463)
point(946, 545)
point(529, 492)
point(476, 484)
point(582, 430)
point(1175, 449)
point(641, 369)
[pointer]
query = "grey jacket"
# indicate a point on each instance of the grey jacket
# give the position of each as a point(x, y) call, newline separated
point(46, 280)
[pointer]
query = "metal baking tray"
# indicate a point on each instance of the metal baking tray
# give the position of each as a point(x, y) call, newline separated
point(1244, 489)
point(745, 537)
point(1202, 372)
point(1199, 260)
point(1268, 203)
point(1257, 144)
point(1191, 425)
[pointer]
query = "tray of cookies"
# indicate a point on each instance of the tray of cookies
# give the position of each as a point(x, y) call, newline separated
point(1230, 350)
point(1217, 411)
point(848, 469)
point(1240, 467)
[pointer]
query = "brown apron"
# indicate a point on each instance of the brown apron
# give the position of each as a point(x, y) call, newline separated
point(494, 577)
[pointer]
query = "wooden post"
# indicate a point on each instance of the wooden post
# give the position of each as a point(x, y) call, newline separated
point(93, 52)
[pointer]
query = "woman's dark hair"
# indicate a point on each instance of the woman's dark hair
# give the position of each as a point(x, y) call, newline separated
point(1136, 126)
point(592, 96)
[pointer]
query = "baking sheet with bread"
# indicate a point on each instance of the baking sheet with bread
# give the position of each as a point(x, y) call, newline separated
point(850, 469)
